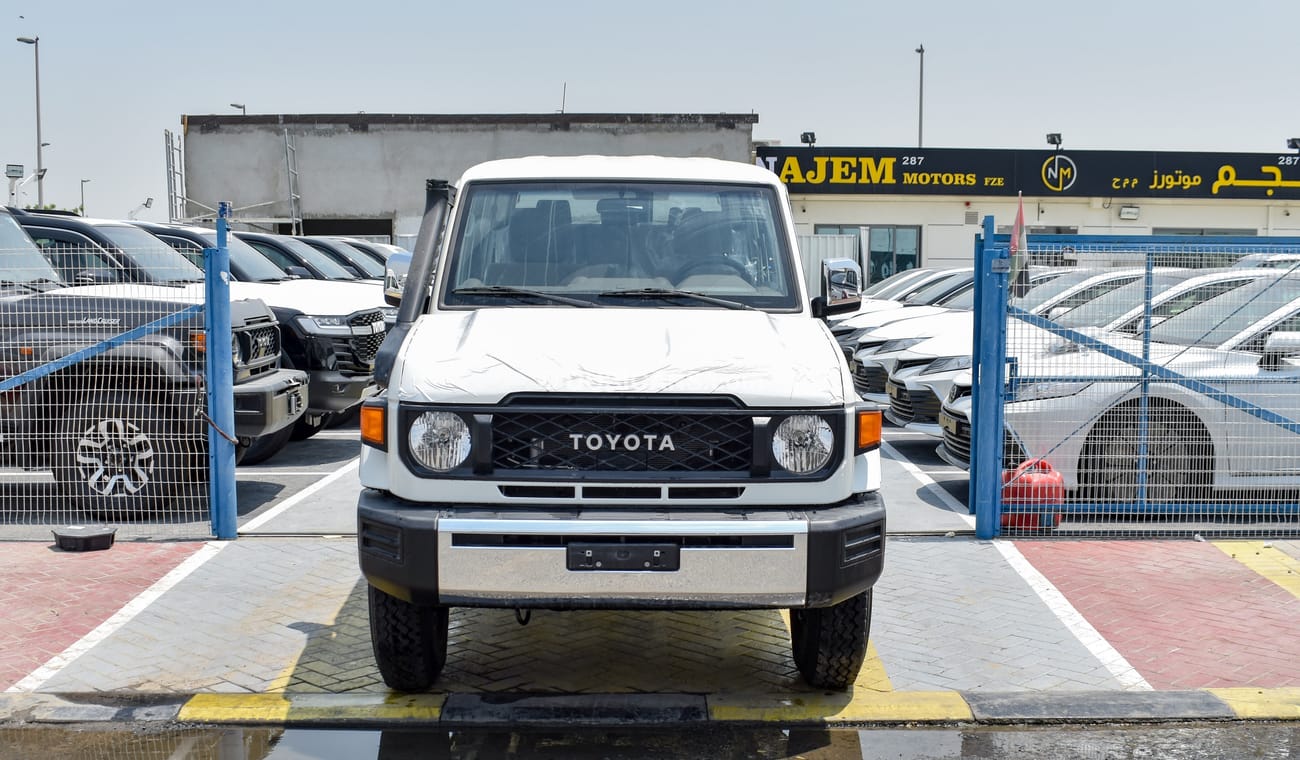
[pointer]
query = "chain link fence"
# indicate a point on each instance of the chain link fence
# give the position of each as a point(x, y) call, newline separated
point(1152, 388)
point(104, 416)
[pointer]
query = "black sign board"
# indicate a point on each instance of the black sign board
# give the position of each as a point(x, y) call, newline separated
point(1065, 173)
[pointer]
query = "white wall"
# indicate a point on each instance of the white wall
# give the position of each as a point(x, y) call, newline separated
point(349, 168)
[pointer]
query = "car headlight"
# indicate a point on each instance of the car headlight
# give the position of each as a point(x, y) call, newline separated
point(439, 440)
point(1044, 390)
point(899, 344)
point(325, 325)
point(803, 443)
point(947, 364)
point(236, 351)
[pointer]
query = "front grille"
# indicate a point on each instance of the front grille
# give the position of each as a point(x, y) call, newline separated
point(869, 378)
point(262, 343)
point(900, 402)
point(365, 347)
point(958, 443)
point(618, 441)
point(363, 318)
point(925, 406)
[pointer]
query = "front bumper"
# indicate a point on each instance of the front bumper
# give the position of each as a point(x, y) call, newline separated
point(332, 391)
point(269, 402)
point(488, 556)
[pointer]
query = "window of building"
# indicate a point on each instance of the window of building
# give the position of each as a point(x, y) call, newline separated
point(1217, 231)
point(890, 248)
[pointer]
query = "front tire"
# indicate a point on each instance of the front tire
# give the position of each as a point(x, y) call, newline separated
point(121, 455)
point(409, 640)
point(829, 644)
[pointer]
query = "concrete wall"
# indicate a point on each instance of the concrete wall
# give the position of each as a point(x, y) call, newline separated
point(375, 166)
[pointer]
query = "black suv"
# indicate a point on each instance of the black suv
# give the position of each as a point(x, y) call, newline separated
point(331, 329)
point(120, 426)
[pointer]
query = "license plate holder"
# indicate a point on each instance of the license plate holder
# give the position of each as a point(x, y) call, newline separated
point(643, 557)
point(949, 423)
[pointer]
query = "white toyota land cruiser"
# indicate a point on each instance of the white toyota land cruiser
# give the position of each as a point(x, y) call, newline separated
point(615, 393)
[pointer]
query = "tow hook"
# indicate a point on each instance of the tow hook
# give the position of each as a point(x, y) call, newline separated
point(522, 616)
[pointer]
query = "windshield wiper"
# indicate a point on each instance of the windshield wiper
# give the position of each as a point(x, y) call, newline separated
point(513, 292)
point(667, 293)
point(30, 286)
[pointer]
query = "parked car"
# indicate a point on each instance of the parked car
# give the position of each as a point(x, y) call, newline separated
point(955, 422)
point(329, 328)
point(1241, 347)
point(380, 252)
point(118, 428)
point(351, 258)
point(296, 257)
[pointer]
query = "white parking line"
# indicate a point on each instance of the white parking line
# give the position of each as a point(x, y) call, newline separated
point(928, 483)
point(279, 509)
point(1074, 622)
point(58, 662)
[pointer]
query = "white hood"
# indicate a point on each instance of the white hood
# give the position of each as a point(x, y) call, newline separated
point(315, 297)
point(311, 297)
point(481, 356)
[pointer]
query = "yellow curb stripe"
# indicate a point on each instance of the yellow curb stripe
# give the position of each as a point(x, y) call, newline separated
point(281, 708)
point(856, 706)
point(1271, 563)
point(1261, 704)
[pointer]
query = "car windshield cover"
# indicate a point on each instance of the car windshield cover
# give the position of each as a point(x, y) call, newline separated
point(161, 261)
point(1213, 322)
point(20, 259)
point(601, 240)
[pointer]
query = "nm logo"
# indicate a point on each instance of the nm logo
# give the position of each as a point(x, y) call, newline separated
point(1059, 172)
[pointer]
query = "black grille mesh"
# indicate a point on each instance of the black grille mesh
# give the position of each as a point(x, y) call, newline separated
point(622, 442)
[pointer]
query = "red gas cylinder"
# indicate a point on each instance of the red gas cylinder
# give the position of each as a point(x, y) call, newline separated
point(1034, 484)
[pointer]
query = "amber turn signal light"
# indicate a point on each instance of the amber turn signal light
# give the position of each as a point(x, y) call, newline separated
point(868, 430)
point(373, 427)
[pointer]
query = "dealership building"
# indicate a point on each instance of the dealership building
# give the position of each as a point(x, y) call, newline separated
point(363, 174)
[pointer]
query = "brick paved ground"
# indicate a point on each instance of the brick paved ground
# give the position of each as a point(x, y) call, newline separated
point(51, 598)
point(1185, 614)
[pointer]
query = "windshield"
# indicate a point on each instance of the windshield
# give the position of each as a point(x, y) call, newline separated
point(20, 259)
point(1114, 304)
point(1043, 292)
point(162, 262)
point(368, 267)
point(250, 262)
point(1213, 322)
point(604, 241)
point(939, 288)
point(321, 262)
point(892, 285)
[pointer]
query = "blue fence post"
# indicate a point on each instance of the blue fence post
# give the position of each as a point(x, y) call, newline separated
point(220, 382)
point(991, 268)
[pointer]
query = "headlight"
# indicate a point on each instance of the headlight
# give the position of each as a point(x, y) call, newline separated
point(803, 443)
point(947, 364)
point(890, 346)
point(439, 440)
point(326, 325)
point(236, 351)
point(1039, 391)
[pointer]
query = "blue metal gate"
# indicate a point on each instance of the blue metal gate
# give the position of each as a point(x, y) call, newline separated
point(1151, 388)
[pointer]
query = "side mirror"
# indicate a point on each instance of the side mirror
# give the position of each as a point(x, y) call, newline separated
point(841, 281)
point(1279, 346)
point(95, 277)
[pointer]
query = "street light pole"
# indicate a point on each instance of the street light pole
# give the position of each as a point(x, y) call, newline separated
point(83, 196)
point(35, 42)
point(920, 96)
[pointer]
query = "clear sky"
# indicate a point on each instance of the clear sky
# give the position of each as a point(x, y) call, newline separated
point(1134, 75)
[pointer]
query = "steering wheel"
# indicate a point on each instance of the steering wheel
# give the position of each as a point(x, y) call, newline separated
point(729, 266)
